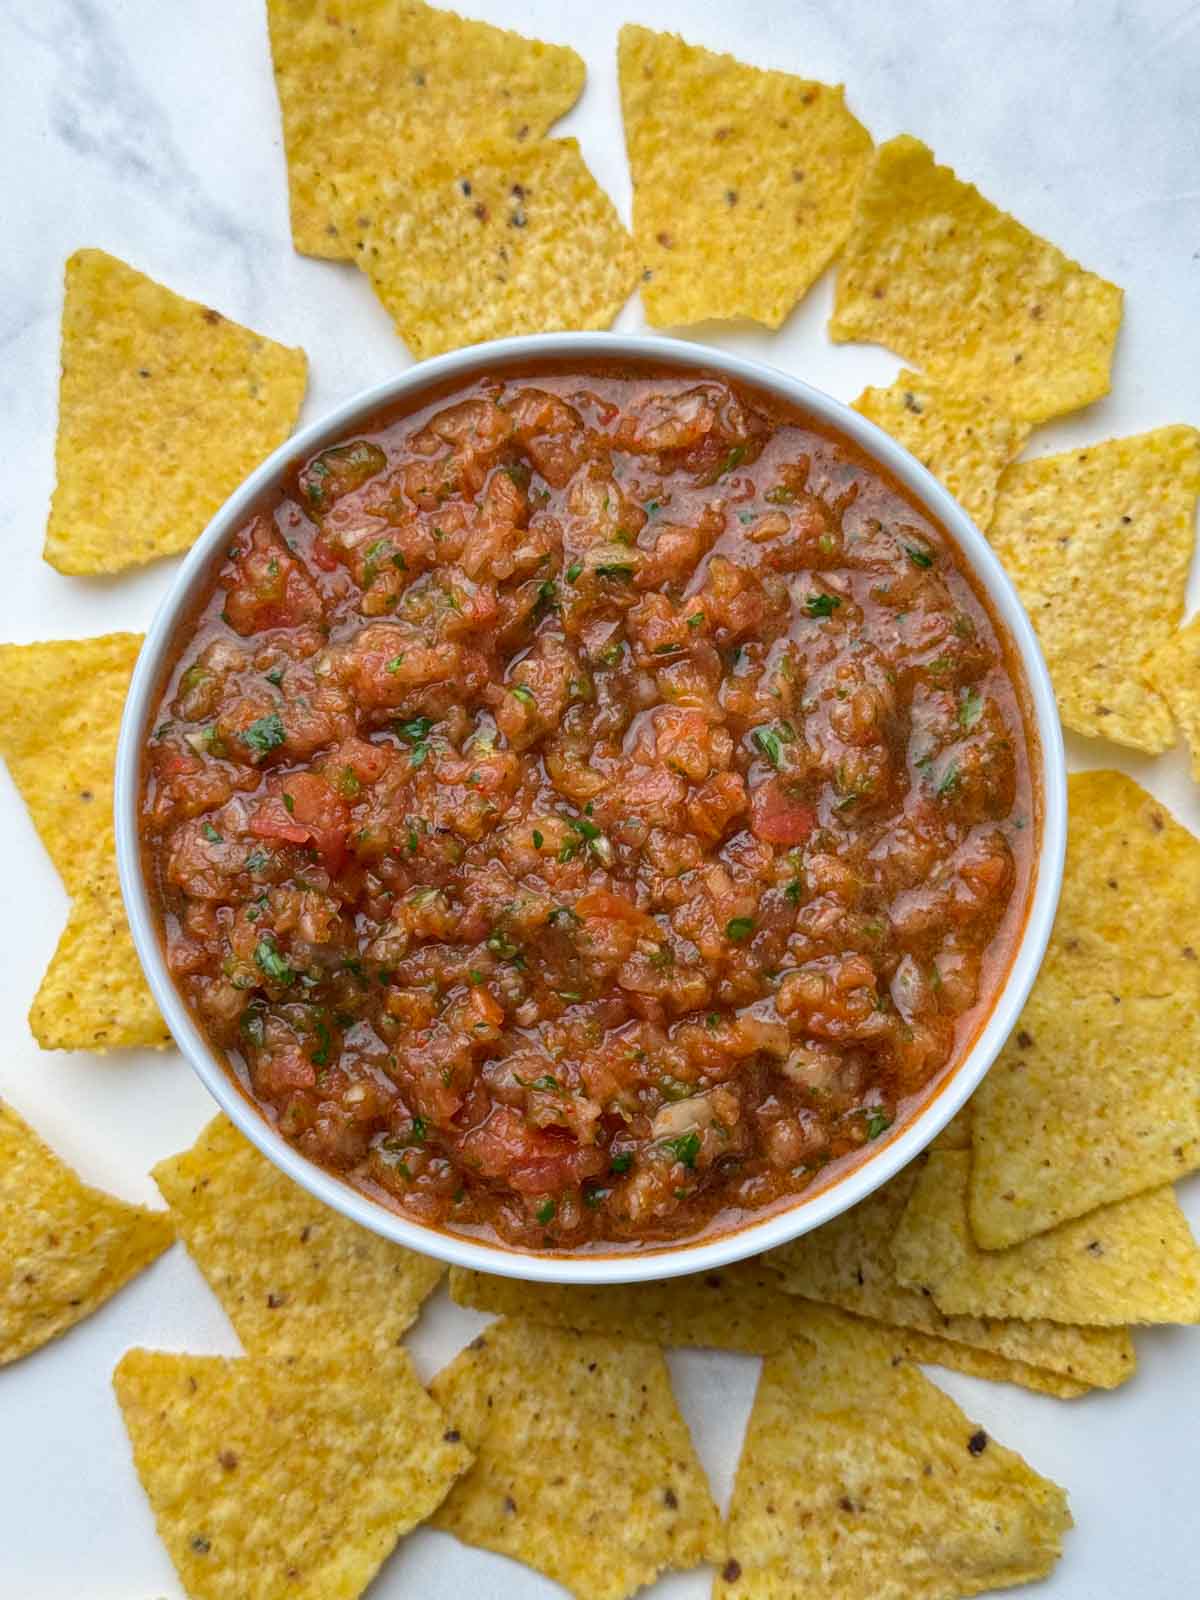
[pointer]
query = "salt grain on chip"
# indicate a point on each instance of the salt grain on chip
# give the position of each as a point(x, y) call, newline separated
point(1134, 1261)
point(585, 1469)
point(1099, 542)
point(963, 439)
point(744, 180)
point(489, 240)
point(292, 1274)
point(1096, 1095)
point(164, 407)
point(370, 85)
point(274, 1479)
point(859, 1478)
point(952, 284)
point(64, 1246)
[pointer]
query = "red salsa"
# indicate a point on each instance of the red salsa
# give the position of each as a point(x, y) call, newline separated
point(583, 809)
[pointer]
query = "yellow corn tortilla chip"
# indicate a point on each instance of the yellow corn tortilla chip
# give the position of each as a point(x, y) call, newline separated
point(60, 710)
point(964, 440)
point(94, 995)
point(370, 84)
point(956, 1135)
point(1096, 1095)
point(848, 1263)
point(743, 180)
point(1174, 671)
point(937, 273)
point(489, 240)
point(585, 1467)
point(1132, 1261)
point(291, 1274)
point(273, 1479)
point(164, 407)
point(732, 1308)
point(64, 1246)
point(1098, 542)
point(861, 1479)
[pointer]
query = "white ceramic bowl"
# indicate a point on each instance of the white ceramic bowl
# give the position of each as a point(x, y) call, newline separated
point(813, 1207)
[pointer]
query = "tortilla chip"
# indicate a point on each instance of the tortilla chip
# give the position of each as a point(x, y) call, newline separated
point(1096, 1095)
point(585, 1468)
point(964, 440)
point(1174, 671)
point(487, 241)
point(270, 1479)
point(861, 1479)
point(60, 711)
point(164, 407)
point(64, 1246)
point(731, 1308)
point(931, 1351)
point(848, 1263)
point(956, 1135)
point(737, 1308)
point(94, 995)
point(935, 272)
point(743, 180)
point(1098, 542)
point(1133, 1261)
point(292, 1274)
point(365, 85)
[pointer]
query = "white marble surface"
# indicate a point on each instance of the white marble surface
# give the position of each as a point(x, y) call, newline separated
point(149, 127)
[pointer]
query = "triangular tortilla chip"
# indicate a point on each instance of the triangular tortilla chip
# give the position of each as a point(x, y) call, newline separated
point(164, 407)
point(368, 84)
point(848, 1263)
point(279, 1478)
point(1174, 670)
point(64, 1246)
point(743, 180)
point(859, 1479)
point(94, 995)
point(1133, 1261)
point(1096, 1095)
point(489, 240)
point(292, 1274)
point(1098, 542)
point(937, 273)
point(60, 712)
point(733, 1308)
point(963, 439)
point(585, 1467)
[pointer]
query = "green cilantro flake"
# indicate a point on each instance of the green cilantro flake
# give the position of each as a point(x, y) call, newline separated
point(822, 605)
point(524, 694)
point(574, 570)
point(210, 833)
point(269, 960)
point(538, 840)
point(545, 1212)
point(739, 929)
point(686, 1148)
point(918, 556)
point(970, 709)
point(878, 1121)
point(621, 1162)
point(265, 735)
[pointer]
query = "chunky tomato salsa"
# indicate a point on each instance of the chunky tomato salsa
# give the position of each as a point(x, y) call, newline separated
point(585, 808)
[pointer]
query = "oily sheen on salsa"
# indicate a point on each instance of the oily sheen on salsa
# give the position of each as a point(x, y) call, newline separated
point(587, 807)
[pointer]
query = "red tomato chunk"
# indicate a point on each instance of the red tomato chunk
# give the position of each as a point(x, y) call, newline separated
point(589, 807)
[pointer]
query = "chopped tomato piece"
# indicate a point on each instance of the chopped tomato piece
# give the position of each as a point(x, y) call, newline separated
point(777, 817)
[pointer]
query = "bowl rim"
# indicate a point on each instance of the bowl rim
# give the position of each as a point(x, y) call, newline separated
point(656, 1260)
